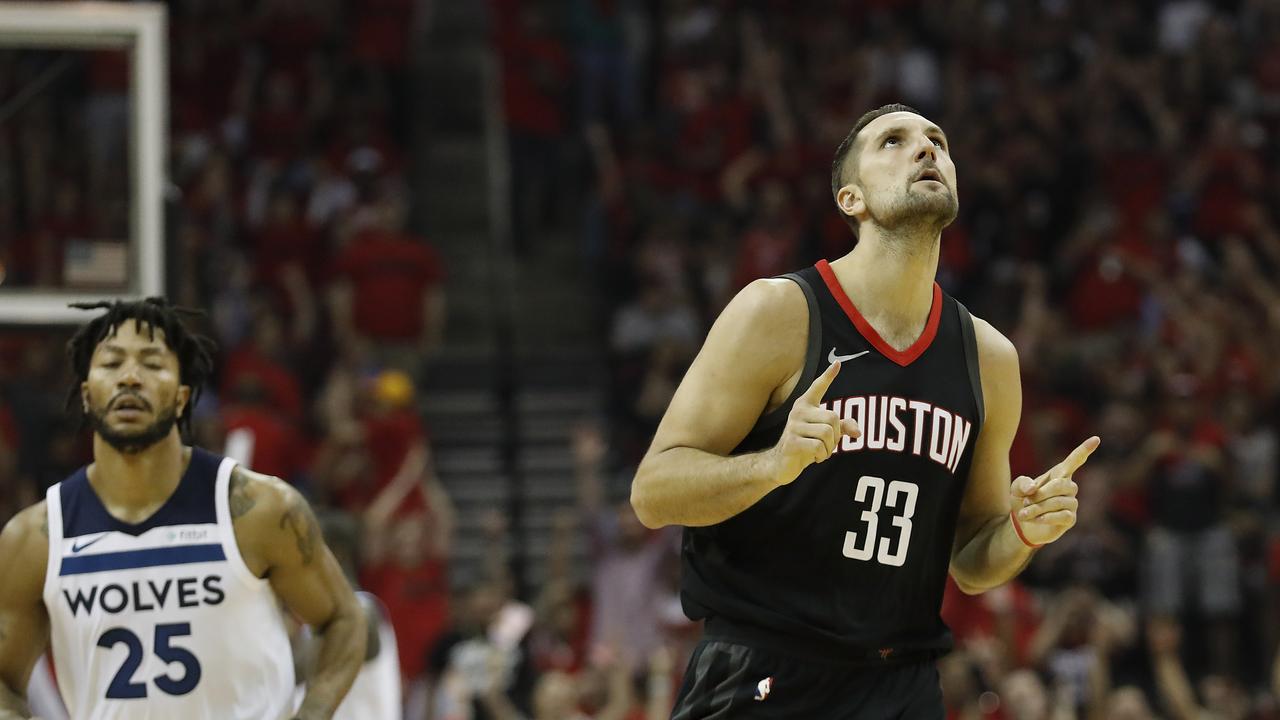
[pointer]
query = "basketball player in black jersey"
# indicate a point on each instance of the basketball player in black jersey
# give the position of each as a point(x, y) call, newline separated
point(840, 443)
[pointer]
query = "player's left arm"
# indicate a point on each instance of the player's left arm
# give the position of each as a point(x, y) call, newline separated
point(282, 532)
point(306, 648)
point(991, 545)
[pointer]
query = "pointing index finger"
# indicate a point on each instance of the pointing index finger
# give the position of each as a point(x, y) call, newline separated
point(814, 394)
point(1078, 456)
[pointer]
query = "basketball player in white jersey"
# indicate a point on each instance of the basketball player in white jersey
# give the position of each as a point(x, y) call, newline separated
point(158, 571)
point(42, 693)
point(376, 692)
point(375, 695)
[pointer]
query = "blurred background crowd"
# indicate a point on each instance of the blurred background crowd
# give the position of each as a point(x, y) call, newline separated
point(1118, 222)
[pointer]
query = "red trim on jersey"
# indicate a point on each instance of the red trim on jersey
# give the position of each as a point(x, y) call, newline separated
point(903, 357)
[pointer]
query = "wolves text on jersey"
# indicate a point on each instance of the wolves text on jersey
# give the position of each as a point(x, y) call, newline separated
point(145, 596)
point(901, 425)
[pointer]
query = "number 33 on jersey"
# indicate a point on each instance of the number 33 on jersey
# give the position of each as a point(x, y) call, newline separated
point(865, 548)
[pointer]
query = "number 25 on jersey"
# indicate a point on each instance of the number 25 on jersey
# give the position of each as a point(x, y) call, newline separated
point(123, 686)
point(900, 496)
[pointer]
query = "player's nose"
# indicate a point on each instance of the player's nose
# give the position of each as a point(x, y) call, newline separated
point(129, 376)
point(927, 151)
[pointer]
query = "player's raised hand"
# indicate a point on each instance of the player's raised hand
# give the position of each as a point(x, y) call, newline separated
point(1045, 507)
point(812, 432)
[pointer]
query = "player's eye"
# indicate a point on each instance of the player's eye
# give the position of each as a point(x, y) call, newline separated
point(938, 143)
point(153, 366)
point(892, 139)
point(111, 365)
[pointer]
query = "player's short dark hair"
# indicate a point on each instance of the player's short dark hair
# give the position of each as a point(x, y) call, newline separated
point(195, 351)
point(849, 146)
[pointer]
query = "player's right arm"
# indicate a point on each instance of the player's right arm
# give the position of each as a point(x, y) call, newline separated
point(24, 622)
point(751, 361)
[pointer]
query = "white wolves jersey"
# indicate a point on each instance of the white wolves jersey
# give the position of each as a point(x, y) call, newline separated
point(162, 619)
point(42, 692)
point(375, 694)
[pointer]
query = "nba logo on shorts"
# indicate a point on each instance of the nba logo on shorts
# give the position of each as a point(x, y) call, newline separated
point(763, 688)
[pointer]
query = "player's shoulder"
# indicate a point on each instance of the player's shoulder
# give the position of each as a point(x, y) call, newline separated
point(268, 510)
point(764, 309)
point(254, 495)
point(767, 298)
point(25, 537)
point(765, 324)
point(995, 350)
point(32, 521)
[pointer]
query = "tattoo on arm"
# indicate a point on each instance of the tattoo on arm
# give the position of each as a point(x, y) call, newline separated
point(241, 501)
point(306, 532)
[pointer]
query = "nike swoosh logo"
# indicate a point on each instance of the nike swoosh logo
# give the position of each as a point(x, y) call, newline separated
point(77, 546)
point(833, 358)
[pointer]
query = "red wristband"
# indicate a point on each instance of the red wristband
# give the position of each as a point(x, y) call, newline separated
point(1013, 515)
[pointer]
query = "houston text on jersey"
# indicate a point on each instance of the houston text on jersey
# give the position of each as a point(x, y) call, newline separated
point(901, 425)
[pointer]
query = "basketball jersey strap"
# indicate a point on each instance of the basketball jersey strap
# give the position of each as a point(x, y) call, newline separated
point(971, 358)
point(226, 525)
point(53, 508)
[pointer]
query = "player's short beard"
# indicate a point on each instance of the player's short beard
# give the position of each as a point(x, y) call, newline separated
point(915, 214)
point(134, 442)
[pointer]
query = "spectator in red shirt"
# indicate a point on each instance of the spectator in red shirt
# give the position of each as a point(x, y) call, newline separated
point(1192, 559)
point(769, 247)
point(263, 359)
point(290, 30)
point(406, 552)
point(381, 33)
point(388, 289)
point(395, 438)
point(259, 436)
point(279, 127)
point(288, 258)
point(373, 447)
point(1226, 175)
point(1006, 615)
point(286, 242)
point(536, 73)
point(1104, 293)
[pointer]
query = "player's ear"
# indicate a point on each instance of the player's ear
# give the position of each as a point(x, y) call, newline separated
point(184, 397)
point(851, 201)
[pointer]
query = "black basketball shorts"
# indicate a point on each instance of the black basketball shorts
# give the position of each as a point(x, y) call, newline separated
point(730, 681)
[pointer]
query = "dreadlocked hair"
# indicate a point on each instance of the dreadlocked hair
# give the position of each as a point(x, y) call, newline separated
point(195, 351)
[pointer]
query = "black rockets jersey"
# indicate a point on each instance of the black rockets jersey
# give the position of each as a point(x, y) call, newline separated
point(849, 561)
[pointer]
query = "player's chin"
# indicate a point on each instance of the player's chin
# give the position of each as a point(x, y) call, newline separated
point(937, 202)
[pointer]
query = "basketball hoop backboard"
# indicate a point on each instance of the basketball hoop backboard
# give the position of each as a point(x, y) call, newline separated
point(139, 30)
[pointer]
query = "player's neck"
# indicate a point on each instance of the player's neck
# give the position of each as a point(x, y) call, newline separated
point(890, 281)
point(137, 481)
